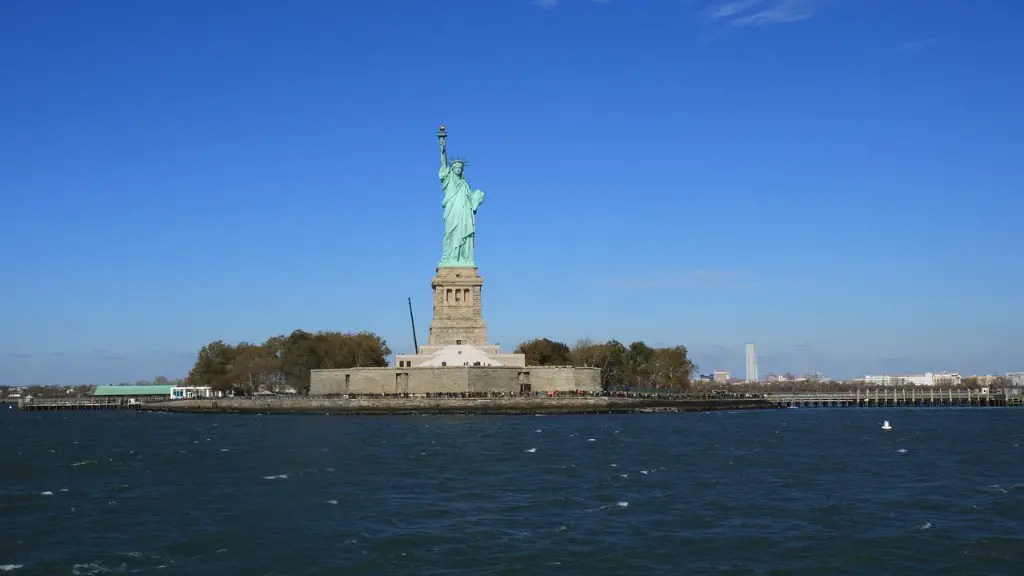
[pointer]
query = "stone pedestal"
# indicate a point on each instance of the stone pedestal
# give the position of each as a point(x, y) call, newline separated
point(458, 316)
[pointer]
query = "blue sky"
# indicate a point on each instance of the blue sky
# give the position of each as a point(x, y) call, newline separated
point(838, 181)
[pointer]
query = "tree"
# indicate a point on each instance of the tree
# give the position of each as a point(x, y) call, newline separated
point(252, 368)
point(671, 368)
point(297, 359)
point(610, 357)
point(639, 367)
point(1001, 382)
point(287, 360)
point(303, 351)
point(544, 352)
point(213, 366)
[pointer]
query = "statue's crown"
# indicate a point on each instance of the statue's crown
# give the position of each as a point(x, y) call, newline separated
point(460, 160)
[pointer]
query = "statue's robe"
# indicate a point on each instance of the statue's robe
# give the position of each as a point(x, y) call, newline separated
point(460, 204)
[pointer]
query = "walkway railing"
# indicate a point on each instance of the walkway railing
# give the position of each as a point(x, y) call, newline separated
point(903, 397)
point(88, 403)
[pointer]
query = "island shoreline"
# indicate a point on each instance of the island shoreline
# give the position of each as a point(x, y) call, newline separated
point(453, 406)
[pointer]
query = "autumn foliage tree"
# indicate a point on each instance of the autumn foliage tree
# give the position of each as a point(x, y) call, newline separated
point(637, 366)
point(283, 361)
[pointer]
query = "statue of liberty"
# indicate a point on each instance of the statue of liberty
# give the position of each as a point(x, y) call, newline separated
point(460, 204)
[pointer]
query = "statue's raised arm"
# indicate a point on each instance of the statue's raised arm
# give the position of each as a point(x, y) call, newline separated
point(442, 137)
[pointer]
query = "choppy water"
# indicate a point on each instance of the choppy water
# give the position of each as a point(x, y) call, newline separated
point(790, 491)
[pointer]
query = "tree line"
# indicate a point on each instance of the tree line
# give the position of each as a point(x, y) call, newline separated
point(283, 362)
point(636, 366)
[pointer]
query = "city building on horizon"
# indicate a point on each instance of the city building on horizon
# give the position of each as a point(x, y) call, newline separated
point(926, 379)
point(721, 376)
point(752, 363)
point(790, 377)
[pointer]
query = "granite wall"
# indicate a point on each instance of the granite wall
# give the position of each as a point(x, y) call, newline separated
point(454, 379)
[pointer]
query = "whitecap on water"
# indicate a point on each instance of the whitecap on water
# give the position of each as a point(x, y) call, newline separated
point(902, 450)
point(276, 477)
point(83, 463)
point(46, 493)
point(332, 501)
point(530, 450)
point(643, 471)
point(537, 430)
point(622, 504)
point(926, 525)
point(591, 440)
point(95, 568)
point(9, 567)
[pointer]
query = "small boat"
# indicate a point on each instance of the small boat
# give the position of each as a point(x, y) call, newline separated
point(886, 426)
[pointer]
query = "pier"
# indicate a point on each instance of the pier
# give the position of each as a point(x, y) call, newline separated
point(88, 403)
point(893, 398)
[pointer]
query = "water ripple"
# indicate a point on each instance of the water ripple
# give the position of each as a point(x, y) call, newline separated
point(799, 492)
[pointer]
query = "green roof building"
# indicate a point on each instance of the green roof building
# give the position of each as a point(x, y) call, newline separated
point(133, 391)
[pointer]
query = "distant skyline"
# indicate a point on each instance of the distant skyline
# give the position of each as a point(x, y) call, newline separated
point(836, 181)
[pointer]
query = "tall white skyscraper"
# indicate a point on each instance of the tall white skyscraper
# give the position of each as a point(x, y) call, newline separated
point(751, 363)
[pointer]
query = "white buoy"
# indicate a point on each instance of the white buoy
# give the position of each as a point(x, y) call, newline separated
point(886, 426)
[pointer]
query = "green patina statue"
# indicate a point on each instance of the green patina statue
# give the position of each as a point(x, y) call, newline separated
point(460, 204)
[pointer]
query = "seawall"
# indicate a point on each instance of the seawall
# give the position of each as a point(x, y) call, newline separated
point(400, 406)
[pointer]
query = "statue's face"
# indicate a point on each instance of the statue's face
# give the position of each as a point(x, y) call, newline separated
point(458, 168)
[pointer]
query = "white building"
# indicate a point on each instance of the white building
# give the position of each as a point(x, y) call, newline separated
point(1016, 378)
point(752, 363)
point(187, 392)
point(926, 379)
